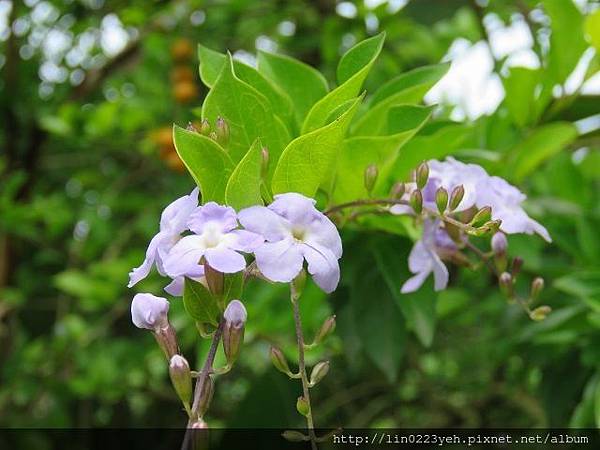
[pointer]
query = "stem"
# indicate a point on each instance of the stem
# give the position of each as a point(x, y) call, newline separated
point(302, 366)
point(365, 202)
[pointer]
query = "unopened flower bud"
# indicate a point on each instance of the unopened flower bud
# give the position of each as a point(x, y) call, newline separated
point(506, 284)
point(235, 316)
point(422, 175)
point(499, 243)
point(540, 313)
point(213, 136)
point(537, 285)
point(318, 372)
point(302, 406)
point(456, 197)
point(206, 395)
point(294, 436)
point(398, 190)
point(222, 130)
point(481, 217)
point(205, 127)
point(370, 177)
point(264, 162)
point(149, 311)
point(199, 425)
point(279, 361)
point(517, 264)
point(416, 201)
point(326, 329)
point(441, 199)
point(181, 377)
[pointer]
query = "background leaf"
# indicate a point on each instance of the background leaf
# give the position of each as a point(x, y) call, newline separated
point(243, 187)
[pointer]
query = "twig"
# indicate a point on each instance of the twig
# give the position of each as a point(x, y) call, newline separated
point(365, 202)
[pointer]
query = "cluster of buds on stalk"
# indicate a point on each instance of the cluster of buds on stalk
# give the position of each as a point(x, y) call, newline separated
point(220, 133)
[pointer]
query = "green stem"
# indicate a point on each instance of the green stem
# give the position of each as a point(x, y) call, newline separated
point(302, 366)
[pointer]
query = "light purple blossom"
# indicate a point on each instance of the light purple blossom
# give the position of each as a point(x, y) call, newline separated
point(149, 312)
point(481, 190)
point(173, 222)
point(295, 231)
point(424, 259)
point(216, 239)
point(235, 314)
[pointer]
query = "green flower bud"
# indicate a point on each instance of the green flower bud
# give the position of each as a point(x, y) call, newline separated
point(222, 130)
point(537, 285)
point(499, 246)
point(398, 190)
point(456, 197)
point(294, 436)
point(264, 162)
point(279, 361)
point(422, 175)
point(370, 177)
point(205, 127)
point(213, 136)
point(481, 217)
point(326, 329)
point(181, 378)
point(191, 127)
point(416, 201)
point(540, 313)
point(302, 406)
point(206, 395)
point(318, 372)
point(441, 199)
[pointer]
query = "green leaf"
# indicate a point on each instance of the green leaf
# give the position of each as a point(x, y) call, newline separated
point(424, 147)
point(233, 286)
point(592, 29)
point(212, 63)
point(310, 159)
point(206, 161)
point(543, 143)
point(353, 69)
point(303, 84)
point(243, 187)
point(199, 303)
point(360, 151)
point(584, 285)
point(248, 113)
point(567, 43)
point(520, 85)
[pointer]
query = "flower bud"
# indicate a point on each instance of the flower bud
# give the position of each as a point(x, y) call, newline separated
point(506, 283)
point(422, 175)
point(222, 130)
point(205, 127)
point(302, 406)
point(456, 197)
point(441, 199)
point(149, 311)
point(206, 395)
point(517, 264)
point(537, 285)
point(199, 424)
point(264, 162)
point(540, 313)
point(481, 217)
point(191, 127)
point(235, 316)
point(416, 201)
point(294, 436)
point(167, 340)
point(370, 177)
point(213, 136)
point(326, 329)
point(181, 377)
point(398, 190)
point(499, 243)
point(279, 361)
point(318, 372)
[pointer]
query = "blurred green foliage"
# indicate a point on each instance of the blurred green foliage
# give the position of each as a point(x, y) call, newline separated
point(87, 167)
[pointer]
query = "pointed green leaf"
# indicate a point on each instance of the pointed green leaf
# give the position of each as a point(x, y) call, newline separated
point(360, 151)
point(309, 159)
point(243, 187)
point(303, 84)
point(206, 161)
point(248, 113)
point(233, 286)
point(354, 68)
point(199, 303)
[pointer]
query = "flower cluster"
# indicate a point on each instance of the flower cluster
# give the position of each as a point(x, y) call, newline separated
point(477, 190)
point(281, 236)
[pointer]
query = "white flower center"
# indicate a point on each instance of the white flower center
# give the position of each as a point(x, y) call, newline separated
point(298, 233)
point(212, 235)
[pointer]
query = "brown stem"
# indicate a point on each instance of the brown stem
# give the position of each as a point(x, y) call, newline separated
point(365, 202)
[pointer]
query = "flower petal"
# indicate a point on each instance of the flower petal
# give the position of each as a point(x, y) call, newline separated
point(323, 266)
point(415, 282)
point(223, 216)
point(175, 287)
point(279, 261)
point(225, 260)
point(244, 241)
point(295, 207)
point(262, 220)
point(175, 216)
point(141, 272)
point(322, 232)
point(440, 273)
point(184, 256)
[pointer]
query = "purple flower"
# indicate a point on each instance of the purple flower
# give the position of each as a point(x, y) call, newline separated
point(216, 239)
point(295, 231)
point(173, 222)
point(423, 258)
point(149, 312)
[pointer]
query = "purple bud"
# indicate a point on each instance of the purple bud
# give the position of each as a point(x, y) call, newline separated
point(233, 333)
point(205, 127)
point(235, 314)
point(506, 284)
point(179, 371)
point(499, 243)
point(149, 312)
point(537, 285)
